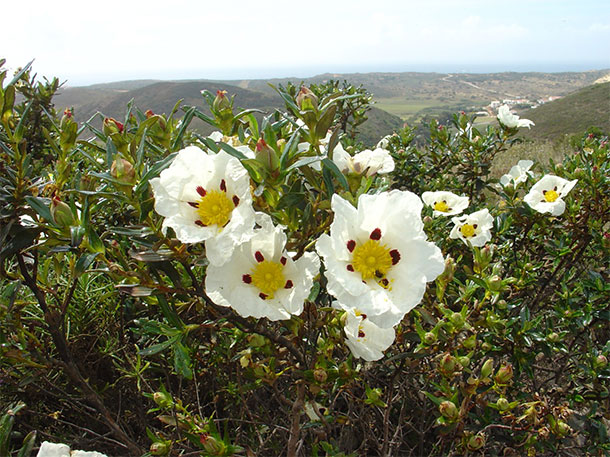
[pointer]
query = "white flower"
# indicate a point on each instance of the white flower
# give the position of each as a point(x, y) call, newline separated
point(511, 120)
point(377, 257)
point(232, 141)
point(365, 339)
point(445, 203)
point(260, 279)
point(474, 228)
point(48, 449)
point(546, 195)
point(384, 142)
point(517, 174)
point(206, 197)
point(367, 162)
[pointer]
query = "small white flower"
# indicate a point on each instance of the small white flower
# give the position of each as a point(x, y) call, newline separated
point(367, 162)
point(384, 142)
point(445, 203)
point(546, 195)
point(365, 339)
point(377, 257)
point(474, 228)
point(206, 197)
point(260, 279)
point(511, 120)
point(517, 174)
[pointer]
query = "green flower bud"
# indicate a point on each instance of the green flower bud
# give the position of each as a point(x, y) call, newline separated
point(501, 304)
point(62, 213)
point(449, 411)
point(486, 346)
point(266, 155)
point(601, 361)
point(470, 342)
point(163, 399)
point(457, 319)
point(476, 442)
point(448, 364)
point(159, 448)
point(464, 361)
point(320, 375)
point(212, 445)
point(429, 338)
point(306, 99)
point(221, 102)
point(502, 404)
point(495, 283)
point(427, 219)
point(123, 170)
point(553, 337)
point(562, 428)
point(504, 374)
point(111, 126)
point(487, 368)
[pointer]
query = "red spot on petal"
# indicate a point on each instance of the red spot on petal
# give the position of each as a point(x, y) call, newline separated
point(376, 234)
point(288, 285)
point(363, 316)
point(351, 244)
point(223, 185)
point(361, 334)
point(395, 256)
point(200, 224)
point(283, 260)
point(263, 296)
point(350, 267)
point(475, 225)
point(201, 191)
point(259, 256)
point(235, 200)
point(194, 204)
point(247, 279)
point(384, 282)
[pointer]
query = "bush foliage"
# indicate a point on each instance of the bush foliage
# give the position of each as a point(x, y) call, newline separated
point(110, 341)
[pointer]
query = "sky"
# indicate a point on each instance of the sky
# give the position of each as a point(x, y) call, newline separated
point(84, 42)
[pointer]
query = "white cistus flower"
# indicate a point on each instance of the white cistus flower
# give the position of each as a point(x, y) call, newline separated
point(377, 257)
point(546, 196)
point(474, 228)
point(511, 120)
point(261, 279)
point(365, 339)
point(206, 197)
point(517, 174)
point(367, 162)
point(445, 203)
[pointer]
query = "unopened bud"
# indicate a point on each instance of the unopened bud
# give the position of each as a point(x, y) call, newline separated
point(122, 170)
point(487, 368)
point(495, 283)
point(306, 99)
point(464, 361)
point(601, 361)
point(212, 445)
point(159, 448)
point(502, 404)
point(562, 428)
point(457, 319)
point(448, 364)
point(149, 113)
point(111, 126)
point(429, 338)
point(427, 219)
point(163, 399)
point(62, 213)
point(486, 346)
point(470, 342)
point(266, 155)
point(320, 375)
point(553, 337)
point(476, 442)
point(504, 374)
point(448, 410)
point(221, 102)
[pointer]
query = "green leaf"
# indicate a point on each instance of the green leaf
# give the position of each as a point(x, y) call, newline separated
point(159, 347)
point(83, 263)
point(41, 207)
point(232, 151)
point(329, 164)
point(182, 361)
point(154, 171)
point(28, 445)
point(302, 162)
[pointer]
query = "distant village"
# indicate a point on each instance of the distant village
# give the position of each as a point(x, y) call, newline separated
point(518, 103)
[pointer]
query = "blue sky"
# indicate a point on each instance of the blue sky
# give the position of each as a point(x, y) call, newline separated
point(86, 42)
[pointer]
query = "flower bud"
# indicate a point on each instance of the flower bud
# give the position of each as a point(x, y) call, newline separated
point(487, 368)
point(212, 445)
point(470, 342)
point(427, 219)
point(123, 170)
point(553, 337)
point(562, 428)
point(601, 361)
point(111, 126)
point(163, 399)
point(149, 113)
point(502, 404)
point(320, 375)
point(464, 361)
point(486, 346)
point(306, 99)
point(476, 442)
point(449, 411)
point(495, 283)
point(62, 213)
point(501, 304)
point(429, 338)
point(448, 364)
point(159, 448)
point(221, 102)
point(504, 374)
point(266, 155)
point(457, 319)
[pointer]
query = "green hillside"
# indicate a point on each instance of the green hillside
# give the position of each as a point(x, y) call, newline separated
point(572, 114)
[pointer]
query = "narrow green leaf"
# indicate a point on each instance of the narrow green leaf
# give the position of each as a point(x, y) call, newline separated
point(329, 164)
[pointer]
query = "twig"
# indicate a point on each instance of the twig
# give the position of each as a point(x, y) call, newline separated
point(295, 427)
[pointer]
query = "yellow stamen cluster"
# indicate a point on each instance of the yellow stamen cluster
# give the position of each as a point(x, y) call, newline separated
point(441, 206)
point(551, 195)
point(372, 259)
point(215, 208)
point(268, 277)
point(467, 230)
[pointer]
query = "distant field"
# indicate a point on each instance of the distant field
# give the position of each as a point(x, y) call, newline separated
point(405, 109)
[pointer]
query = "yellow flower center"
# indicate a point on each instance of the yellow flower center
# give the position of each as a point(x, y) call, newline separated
point(215, 208)
point(372, 260)
point(550, 196)
point(467, 230)
point(268, 277)
point(441, 206)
